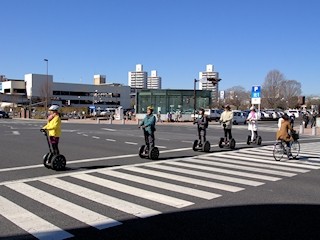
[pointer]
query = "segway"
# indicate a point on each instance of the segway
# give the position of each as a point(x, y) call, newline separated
point(257, 141)
point(146, 152)
point(225, 143)
point(50, 160)
point(197, 146)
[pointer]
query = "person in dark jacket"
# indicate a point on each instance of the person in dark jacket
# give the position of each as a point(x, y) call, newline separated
point(148, 126)
point(202, 123)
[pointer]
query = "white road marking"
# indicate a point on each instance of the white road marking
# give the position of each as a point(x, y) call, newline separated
point(27, 221)
point(232, 172)
point(15, 132)
point(253, 169)
point(162, 185)
point(109, 129)
point(110, 140)
point(132, 143)
point(184, 179)
point(85, 215)
point(207, 175)
point(116, 203)
point(85, 135)
point(138, 192)
point(247, 162)
point(95, 137)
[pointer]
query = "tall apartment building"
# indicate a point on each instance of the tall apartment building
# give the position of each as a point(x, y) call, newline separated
point(208, 85)
point(154, 81)
point(138, 79)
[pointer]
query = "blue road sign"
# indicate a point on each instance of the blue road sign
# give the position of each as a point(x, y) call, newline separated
point(256, 92)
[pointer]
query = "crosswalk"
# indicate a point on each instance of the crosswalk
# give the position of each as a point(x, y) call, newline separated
point(102, 198)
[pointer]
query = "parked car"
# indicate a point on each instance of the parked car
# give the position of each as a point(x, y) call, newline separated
point(293, 111)
point(3, 114)
point(239, 117)
point(213, 114)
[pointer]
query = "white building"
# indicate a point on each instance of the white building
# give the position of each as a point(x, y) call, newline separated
point(154, 81)
point(208, 85)
point(38, 87)
point(138, 79)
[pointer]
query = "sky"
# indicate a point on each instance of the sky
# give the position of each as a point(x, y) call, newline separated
point(243, 39)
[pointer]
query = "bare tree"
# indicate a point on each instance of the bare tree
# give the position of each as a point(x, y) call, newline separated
point(272, 95)
point(291, 90)
point(238, 97)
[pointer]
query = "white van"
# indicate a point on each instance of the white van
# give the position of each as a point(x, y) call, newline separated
point(213, 114)
point(239, 117)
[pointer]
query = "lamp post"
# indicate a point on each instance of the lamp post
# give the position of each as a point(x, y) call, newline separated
point(195, 97)
point(93, 101)
point(47, 89)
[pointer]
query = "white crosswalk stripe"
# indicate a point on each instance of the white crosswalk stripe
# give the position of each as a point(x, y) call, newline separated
point(176, 183)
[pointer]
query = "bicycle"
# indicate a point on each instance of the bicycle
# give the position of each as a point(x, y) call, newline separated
point(280, 148)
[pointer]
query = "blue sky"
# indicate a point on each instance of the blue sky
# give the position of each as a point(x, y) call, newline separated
point(244, 40)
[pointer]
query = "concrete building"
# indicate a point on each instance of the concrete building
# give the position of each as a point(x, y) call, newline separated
point(207, 85)
point(36, 88)
point(154, 81)
point(138, 79)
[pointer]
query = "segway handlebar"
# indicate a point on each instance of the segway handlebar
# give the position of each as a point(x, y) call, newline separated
point(44, 131)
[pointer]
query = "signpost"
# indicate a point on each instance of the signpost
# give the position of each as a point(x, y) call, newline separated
point(256, 96)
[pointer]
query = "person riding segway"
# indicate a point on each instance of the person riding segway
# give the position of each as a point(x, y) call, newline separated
point(252, 120)
point(148, 125)
point(52, 131)
point(202, 125)
point(226, 119)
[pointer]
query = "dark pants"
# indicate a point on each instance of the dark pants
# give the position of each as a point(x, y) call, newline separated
point(202, 132)
point(149, 139)
point(55, 143)
point(226, 133)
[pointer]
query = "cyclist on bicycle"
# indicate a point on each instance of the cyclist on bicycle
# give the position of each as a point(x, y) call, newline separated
point(284, 133)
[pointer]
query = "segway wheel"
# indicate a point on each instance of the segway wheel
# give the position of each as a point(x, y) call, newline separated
point(141, 151)
point(58, 162)
point(221, 142)
point(46, 160)
point(206, 146)
point(248, 140)
point(232, 143)
point(154, 153)
point(195, 145)
point(259, 140)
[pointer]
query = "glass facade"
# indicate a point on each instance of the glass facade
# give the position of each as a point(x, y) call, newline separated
point(167, 100)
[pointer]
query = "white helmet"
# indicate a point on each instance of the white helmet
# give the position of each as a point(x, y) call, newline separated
point(54, 108)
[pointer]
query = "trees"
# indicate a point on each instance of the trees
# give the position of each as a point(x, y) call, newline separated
point(278, 92)
point(238, 97)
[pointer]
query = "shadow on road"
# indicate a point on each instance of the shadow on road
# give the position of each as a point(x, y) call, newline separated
point(258, 222)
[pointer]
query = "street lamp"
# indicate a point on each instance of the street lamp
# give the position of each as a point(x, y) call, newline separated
point(47, 90)
point(93, 101)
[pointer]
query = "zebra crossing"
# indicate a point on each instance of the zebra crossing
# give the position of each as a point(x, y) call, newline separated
point(141, 190)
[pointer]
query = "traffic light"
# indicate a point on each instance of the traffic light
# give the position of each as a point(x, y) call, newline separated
point(214, 80)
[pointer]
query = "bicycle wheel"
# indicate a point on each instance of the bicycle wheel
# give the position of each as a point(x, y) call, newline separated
point(295, 149)
point(278, 151)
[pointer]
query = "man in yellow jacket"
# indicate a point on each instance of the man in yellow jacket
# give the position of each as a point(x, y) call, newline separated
point(53, 127)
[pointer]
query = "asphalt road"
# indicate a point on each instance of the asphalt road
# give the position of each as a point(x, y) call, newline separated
point(108, 192)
